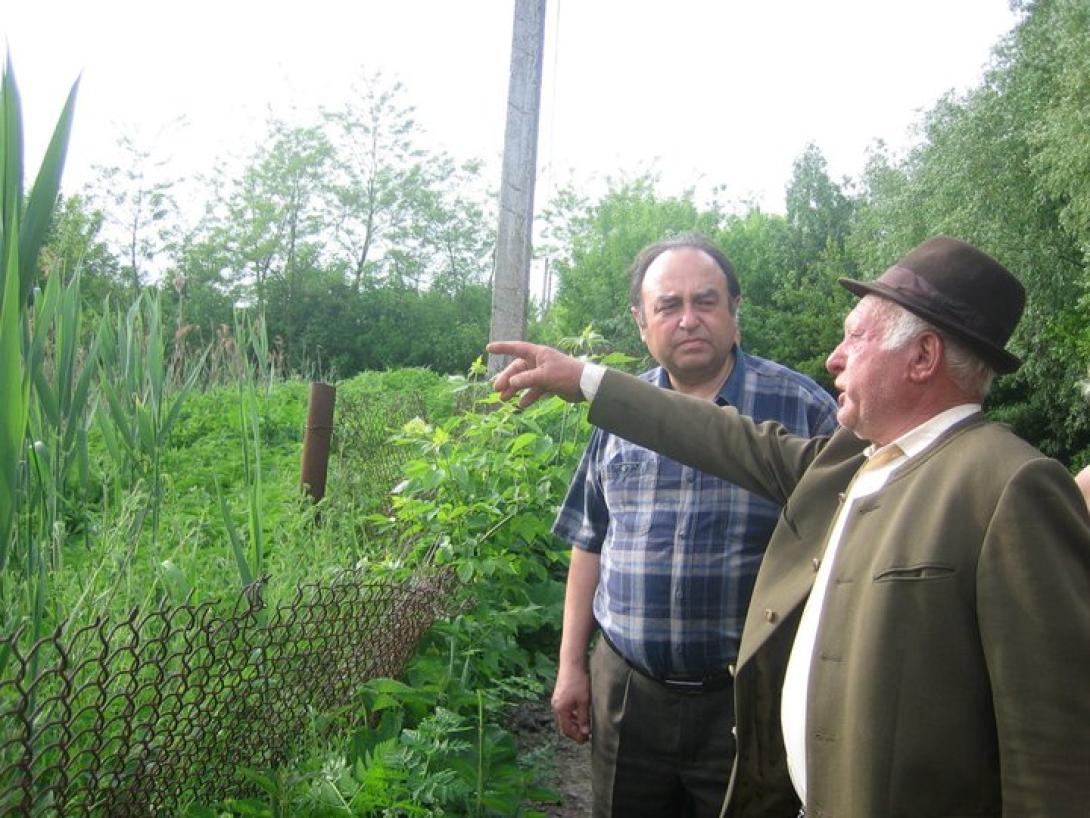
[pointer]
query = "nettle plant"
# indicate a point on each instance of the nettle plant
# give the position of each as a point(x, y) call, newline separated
point(479, 496)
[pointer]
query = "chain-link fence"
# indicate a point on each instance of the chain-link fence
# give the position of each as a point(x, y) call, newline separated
point(141, 717)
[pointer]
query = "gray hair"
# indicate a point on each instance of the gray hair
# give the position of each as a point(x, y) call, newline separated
point(967, 369)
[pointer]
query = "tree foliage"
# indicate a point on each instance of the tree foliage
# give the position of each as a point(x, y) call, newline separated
point(1003, 166)
point(787, 266)
point(360, 246)
point(368, 249)
point(601, 242)
point(996, 167)
point(137, 199)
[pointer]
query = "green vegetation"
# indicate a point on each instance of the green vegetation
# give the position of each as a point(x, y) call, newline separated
point(152, 402)
point(124, 487)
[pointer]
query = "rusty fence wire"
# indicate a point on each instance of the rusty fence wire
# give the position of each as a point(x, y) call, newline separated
point(366, 466)
point(144, 716)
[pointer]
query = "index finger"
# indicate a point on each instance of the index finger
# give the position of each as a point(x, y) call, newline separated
point(519, 349)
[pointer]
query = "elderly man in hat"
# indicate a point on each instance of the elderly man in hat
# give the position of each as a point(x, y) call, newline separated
point(918, 639)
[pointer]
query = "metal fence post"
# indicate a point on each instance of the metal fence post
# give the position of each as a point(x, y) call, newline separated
point(316, 439)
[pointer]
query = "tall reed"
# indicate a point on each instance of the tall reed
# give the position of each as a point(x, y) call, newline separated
point(140, 406)
point(251, 349)
point(25, 224)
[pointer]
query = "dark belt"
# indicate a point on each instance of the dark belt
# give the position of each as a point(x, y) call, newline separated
point(706, 684)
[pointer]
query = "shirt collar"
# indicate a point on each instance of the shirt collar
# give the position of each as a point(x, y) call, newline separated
point(730, 393)
point(918, 439)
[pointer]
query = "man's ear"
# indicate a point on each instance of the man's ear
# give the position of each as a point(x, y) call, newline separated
point(928, 355)
point(641, 325)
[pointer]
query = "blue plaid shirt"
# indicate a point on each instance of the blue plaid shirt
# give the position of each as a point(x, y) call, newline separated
point(680, 549)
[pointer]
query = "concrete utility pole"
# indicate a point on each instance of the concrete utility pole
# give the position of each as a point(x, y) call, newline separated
point(511, 281)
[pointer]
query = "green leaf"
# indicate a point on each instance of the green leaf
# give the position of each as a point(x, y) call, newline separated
point(145, 425)
point(39, 458)
point(522, 441)
point(43, 196)
point(119, 417)
point(244, 572)
point(109, 437)
point(79, 399)
point(13, 386)
point(175, 581)
point(11, 140)
point(47, 399)
point(179, 398)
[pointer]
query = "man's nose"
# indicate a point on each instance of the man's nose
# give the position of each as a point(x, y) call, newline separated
point(835, 362)
point(688, 317)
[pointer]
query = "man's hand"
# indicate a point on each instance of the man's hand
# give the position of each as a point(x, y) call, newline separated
point(571, 702)
point(539, 370)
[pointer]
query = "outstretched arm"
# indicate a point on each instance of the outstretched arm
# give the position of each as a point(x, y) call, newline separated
point(539, 370)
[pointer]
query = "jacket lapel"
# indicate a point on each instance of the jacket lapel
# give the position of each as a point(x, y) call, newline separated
point(798, 544)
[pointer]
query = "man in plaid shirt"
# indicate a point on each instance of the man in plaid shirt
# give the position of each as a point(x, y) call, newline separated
point(664, 557)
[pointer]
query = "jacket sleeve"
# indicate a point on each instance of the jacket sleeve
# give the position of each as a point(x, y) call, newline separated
point(1033, 604)
point(761, 457)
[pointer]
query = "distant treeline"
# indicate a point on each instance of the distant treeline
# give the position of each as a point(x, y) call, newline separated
point(366, 251)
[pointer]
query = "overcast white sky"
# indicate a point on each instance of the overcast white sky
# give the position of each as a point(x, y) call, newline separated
point(710, 92)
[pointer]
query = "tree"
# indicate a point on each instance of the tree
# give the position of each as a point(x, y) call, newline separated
point(792, 303)
point(75, 244)
point(141, 215)
point(603, 241)
point(271, 224)
point(398, 211)
point(818, 211)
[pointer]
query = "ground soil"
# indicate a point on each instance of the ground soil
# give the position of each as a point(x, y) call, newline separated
point(569, 775)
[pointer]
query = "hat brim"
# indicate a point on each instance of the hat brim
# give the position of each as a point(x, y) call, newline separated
point(998, 358)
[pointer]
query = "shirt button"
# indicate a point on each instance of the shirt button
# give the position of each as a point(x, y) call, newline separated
point(771, 615)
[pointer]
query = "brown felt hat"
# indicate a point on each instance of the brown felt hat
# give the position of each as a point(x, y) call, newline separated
point(960, 290)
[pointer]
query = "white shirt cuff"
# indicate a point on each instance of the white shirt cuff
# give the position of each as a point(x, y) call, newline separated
point(590, 379)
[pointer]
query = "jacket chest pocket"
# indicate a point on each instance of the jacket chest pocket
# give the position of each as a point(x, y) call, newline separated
point(916, 572)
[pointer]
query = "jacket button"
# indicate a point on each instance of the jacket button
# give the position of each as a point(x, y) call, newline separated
point(771, 615)
point(730, 669)
point(816, 563)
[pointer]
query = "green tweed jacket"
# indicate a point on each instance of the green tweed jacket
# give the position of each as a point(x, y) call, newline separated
point(952, 665)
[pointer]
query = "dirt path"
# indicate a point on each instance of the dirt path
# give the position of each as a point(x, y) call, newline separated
point(571, 762)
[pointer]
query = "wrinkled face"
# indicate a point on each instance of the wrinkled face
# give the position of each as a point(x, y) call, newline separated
point(871, 380)
point(687, 319)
